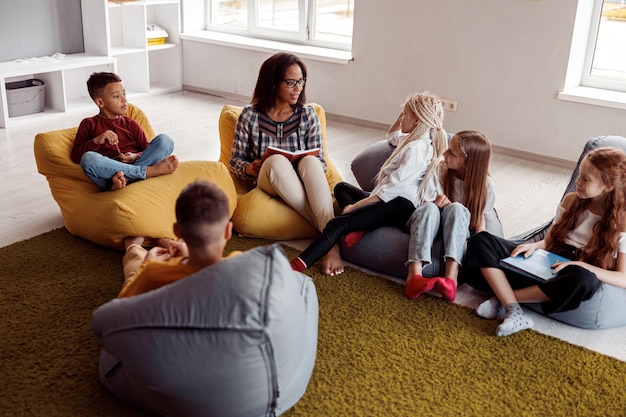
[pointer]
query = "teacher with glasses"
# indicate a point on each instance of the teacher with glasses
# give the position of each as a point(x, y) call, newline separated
point(278, 117)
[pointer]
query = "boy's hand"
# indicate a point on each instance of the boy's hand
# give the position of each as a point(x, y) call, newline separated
point(107, 136)
point(158, 253)
point(128, 157)
point(174, 247)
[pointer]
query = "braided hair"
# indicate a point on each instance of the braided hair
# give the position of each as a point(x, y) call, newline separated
point(429, 111)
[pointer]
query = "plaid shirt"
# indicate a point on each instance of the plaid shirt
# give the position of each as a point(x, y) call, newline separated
point(255, 131)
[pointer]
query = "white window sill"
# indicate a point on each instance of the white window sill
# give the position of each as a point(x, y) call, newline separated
point(595, 96)
point(244, 42)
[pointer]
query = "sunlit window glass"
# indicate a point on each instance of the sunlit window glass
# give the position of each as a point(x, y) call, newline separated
point(609, 58)
point(278, 14)
point(333, 20)
point(229, 13)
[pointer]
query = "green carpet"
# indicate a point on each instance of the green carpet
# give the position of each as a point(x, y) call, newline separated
point(379, 353)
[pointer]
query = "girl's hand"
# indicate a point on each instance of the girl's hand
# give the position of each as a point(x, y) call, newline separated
point(347, 209)
point(442, 201)
point(558, 266)
point(372, 198)
point(526, 248)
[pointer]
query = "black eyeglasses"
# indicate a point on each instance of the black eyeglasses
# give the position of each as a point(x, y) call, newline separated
point(291, 83)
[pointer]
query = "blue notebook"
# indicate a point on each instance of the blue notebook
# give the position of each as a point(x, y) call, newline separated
point(537, 266)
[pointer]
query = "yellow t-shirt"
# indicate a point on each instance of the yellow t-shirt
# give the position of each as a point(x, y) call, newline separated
point(155, 274)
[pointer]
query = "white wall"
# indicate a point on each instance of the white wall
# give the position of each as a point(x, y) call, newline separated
point(503, 60)
point(35, 28)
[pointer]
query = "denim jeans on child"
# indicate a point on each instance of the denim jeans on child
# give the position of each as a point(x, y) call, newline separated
point(426, 222)
point(100, 168)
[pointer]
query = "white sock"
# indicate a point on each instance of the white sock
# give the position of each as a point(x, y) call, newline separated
point(515, 321)
point(491, 309)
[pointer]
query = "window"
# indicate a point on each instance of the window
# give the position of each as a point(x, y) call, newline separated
point(605, 63)
point(323, 23)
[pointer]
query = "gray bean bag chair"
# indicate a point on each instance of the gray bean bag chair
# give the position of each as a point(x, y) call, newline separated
point(607, 308)
point(238, 338)
point(386, 249)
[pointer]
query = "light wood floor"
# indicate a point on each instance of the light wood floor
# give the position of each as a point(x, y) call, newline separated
point(527, 192)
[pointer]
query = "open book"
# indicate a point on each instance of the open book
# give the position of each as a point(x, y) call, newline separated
point(293, 156)
point(537, 266)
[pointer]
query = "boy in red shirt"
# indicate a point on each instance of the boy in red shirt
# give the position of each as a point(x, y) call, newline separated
point(112, 149)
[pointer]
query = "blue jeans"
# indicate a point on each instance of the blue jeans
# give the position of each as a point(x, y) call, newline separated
point(99, 168)
point(426, 222)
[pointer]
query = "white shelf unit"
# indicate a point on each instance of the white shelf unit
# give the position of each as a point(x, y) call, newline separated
point(115, 40)
point(145, 69)
point(65, 84)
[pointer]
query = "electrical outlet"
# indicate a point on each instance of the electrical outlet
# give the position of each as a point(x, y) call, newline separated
point(449, 104)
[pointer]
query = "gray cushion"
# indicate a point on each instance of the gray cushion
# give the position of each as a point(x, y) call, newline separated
point(238, 338)
point(605, 310)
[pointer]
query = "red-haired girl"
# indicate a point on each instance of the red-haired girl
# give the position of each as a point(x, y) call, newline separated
point(589, 228)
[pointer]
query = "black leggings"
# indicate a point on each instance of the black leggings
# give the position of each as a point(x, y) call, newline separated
point(371, 216)
point(572, 285)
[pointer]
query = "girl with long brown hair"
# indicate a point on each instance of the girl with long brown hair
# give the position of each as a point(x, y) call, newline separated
point(468, 198)
point(589, 228)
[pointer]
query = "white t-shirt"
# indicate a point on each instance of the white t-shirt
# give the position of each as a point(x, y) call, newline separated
point(402, 177)
point(581, 235)
point(396, 137)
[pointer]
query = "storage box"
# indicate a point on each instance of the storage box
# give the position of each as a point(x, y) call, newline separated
point(25, 97)
point(156, 34)
point(156, 41)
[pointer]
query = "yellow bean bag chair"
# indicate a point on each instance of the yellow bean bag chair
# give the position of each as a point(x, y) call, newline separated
point(258, 214)
point(144, 208)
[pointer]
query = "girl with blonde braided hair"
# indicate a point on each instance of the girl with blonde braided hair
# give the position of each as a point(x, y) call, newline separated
point(400, 184)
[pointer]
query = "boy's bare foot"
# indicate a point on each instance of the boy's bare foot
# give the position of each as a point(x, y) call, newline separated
point(133, 240)
point(119, 181)
point(166, 166)
point(332, 264)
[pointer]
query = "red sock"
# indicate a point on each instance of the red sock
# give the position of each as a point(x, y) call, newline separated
point(417, 286)
point(352, 238)
point(297, 265)
point(446, 287)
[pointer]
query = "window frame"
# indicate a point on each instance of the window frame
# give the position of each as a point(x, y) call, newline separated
point(583, 40)
point(587, 79)
point(306, 23)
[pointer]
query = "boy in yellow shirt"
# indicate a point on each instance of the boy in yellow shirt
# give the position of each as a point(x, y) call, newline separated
point(202, 224)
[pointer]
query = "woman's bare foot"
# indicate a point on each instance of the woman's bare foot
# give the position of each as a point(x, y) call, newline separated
point(332, 264)
point(133, 240)
point(166, 166)
point(119, 181)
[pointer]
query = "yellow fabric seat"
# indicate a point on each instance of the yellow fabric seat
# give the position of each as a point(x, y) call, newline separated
point(144, 208)
point(258, 214)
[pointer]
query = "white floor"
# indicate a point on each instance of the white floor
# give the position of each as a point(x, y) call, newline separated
point(527, 192)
